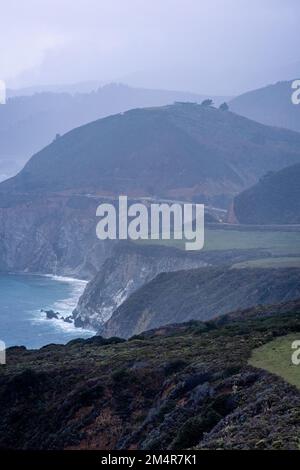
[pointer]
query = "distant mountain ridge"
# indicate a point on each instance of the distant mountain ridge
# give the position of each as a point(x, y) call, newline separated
point(71, 88)
point(271, 105)
point(183, 150)
point(32, 117)
point(275, 199)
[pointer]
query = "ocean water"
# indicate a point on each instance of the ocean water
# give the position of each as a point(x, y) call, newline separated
point(21, 299)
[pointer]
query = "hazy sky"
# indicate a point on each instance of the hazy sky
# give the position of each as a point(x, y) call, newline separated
point(208, 46)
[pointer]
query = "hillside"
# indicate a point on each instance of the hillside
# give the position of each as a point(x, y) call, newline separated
point(271, 105)
point(275, 199)
point(200, 294)
point(31, 120)
point(175, 388)
point(180, 151)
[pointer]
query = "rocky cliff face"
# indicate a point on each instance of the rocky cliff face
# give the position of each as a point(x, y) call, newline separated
point(129, 267)
point(50, 234)
point(200, 294)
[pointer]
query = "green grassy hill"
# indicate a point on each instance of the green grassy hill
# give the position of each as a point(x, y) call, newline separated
point(275, 357)
point(275, 242)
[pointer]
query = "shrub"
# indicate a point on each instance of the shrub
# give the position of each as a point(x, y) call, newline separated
point(192, 430)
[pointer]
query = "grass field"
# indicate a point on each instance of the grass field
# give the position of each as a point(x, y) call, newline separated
point(276, 357)
point(277, 242)
point(280, 262)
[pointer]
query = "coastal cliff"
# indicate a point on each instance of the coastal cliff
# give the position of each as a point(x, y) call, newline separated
point(129, 267)
point(200, 294)
point(50, 234)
